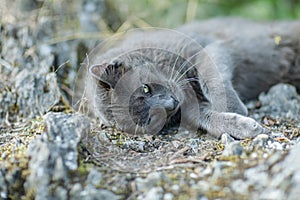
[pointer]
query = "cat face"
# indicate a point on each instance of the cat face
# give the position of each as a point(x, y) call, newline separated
point(149, 97)
point(138, 93)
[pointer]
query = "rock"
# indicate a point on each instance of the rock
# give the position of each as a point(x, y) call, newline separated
point(53, 155)
point(37, 92)
point(138, 146)
point(168, 196)
point(272, 194)
point(226, 139)
point(260, 141)
point(94, 178)
point(240, 186)
point(257, 176)
point(91, 193)
point(33, 93)
point(155, 193)
point(285, 177)
point(281, 101)
point(232, 147)
point(150, 181)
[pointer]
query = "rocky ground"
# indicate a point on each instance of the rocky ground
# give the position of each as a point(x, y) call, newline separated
point(48, 151)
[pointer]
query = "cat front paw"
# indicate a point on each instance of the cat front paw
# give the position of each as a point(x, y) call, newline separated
point(241, 127)
point(247, 127)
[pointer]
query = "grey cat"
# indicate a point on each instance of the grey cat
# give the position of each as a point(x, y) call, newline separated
point(195, 77)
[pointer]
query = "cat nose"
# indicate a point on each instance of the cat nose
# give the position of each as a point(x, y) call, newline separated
point(171, 103)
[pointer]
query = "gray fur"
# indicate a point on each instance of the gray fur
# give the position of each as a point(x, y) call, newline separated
point(200, 76)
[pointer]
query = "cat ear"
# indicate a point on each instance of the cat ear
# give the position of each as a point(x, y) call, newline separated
point(107, 74)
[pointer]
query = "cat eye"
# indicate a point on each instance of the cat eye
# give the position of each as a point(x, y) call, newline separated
point(146, 89)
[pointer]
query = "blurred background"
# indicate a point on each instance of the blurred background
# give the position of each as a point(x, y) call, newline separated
point(117, 15)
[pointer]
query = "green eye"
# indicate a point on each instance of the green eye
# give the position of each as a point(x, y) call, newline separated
point(146, 89)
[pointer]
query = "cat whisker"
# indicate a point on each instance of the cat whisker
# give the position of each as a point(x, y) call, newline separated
point(136, 128)
point(180, 54)
point(173, 67)
point(185, 63)
point(191, 67)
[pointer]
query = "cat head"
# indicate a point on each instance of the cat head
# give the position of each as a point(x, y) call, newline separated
point(137, 91)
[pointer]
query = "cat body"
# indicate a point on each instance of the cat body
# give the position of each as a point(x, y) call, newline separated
point(194, 77)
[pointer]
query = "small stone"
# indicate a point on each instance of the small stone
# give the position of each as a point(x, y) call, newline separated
point(260, 140)
point(240, 186)
point(75, 190)
point(232, 149)
point(168, 196)
point(203, 186)
point(150, 181)
point(274, 194)
point(226, 139)
point(257, 176)
point(154, 193)
point(94, 177)
point(175, 187)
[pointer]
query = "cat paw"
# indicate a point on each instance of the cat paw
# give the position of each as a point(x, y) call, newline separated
point(247, 127)
point(241, 127)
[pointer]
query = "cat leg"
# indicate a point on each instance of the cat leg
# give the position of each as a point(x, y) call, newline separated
point(214, 66)
point(225, 112)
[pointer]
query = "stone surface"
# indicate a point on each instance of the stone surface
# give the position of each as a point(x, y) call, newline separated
point(281, 101)
point(37, 92)
point(54, 154)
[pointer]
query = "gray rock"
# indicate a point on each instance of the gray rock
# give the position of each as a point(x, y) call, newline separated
point(285, 177)
point(273, 194)
point(150, 181)
point(53, 155)
point(232, 147)
point(93, 194)
point(155, 193)
point(226, 139)
point(138, 146)
point(94, 178)
point(261, 141)
point(281, 100)
point(240, 186)
point(90, 190)
point(37, 92)
point(168, 196)
point(257, 176)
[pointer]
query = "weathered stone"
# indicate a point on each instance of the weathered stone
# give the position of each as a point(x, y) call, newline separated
point(54, 154)
point(261, 141)
point(37, 92)
point(155, 193)
point(281, 100)
point(232, 147)
point(150, 181)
